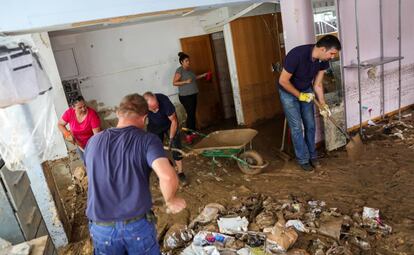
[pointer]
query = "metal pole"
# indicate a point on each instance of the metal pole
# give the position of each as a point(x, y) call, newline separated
point(338, 17)
point(399, 61)
point(382, 92)
point(359, 67)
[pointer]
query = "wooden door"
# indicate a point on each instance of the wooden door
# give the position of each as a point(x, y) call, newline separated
point(209, 109)
point(256, 47)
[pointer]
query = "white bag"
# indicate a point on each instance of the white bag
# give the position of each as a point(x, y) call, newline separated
point(18, 79)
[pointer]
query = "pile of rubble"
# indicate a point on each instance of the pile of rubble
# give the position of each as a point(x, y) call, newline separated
point(257, 224)
point(401, 130)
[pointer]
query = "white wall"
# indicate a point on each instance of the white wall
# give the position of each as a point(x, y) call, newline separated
point(145, 59)
point(370, 48)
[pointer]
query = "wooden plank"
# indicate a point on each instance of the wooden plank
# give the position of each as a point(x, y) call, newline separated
point(209, 109)
point(129, 18)
point(256, 47)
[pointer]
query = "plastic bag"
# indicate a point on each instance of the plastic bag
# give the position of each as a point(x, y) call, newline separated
point(28, 133)
point(19, 81)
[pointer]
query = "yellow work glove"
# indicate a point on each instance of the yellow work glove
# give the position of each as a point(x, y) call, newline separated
point(306, 97)
point(325, 111)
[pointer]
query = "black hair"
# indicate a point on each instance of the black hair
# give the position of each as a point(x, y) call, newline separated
point(182, 56)
point(76, 99)
point(329, 42)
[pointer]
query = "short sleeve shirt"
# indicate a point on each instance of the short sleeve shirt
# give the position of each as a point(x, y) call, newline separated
point(118, 163)
point(187, 89)
point(159, 121)
point(82, 131)
point(303, 68)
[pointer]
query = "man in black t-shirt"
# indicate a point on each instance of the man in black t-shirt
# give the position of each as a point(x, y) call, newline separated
point(162, 120)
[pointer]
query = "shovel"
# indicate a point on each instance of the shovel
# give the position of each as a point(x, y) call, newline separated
point(354, 147)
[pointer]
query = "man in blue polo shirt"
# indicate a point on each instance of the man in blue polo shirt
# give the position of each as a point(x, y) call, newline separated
point(299, 81)
point(119, 162)
point(162, 121)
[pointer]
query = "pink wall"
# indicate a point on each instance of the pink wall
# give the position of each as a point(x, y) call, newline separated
point(369, 32)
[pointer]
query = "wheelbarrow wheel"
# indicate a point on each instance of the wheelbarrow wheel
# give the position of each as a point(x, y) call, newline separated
point(252, 158)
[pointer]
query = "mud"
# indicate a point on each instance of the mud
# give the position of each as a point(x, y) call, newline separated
point(383, 178)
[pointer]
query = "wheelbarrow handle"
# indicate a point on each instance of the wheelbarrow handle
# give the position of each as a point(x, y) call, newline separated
point(193, 131)
point(183, 153)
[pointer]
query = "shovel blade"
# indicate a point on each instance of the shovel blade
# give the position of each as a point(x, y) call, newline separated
point(355, 147)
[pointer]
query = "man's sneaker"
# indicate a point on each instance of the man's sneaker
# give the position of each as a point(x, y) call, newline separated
point(183, 179)
point(315, 163)
point(306, 167)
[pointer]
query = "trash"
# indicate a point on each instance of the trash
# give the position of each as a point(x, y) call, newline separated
point(204, 238)
point(80, 178)
point(372, 220)
point(358, 232)
point(200, 250)
point(370, 213)
point(4, 244)
point(251, 251)
point(371, 123)
point(281, 238)
point(293, 211)
point(209, 213)
point(177, 236)
point(298, 225)
point(398, 134)
point(255, 241)
point(364, 245)
point(254, 227)
point(234, 244)
point(210, 228)
point(257, 251)
point(79, 173)
point(232, 225)
point(331, 227)
point(19, 249)
point(297, 252)
point(281, 241)
point(336, 249)
point(265, 219)
point(244, 251)
point(316, 207)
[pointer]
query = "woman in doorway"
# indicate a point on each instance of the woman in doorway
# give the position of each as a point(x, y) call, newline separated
point(83, 121)
point(186, 81)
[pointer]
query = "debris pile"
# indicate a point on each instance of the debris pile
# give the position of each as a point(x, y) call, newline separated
point(401, 131)
point(257, 224)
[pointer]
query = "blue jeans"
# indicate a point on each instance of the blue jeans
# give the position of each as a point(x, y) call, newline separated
point(81, 154)
point(139, 237)
point(298, 113)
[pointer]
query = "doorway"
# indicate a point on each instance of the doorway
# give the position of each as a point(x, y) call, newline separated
point(215, 97)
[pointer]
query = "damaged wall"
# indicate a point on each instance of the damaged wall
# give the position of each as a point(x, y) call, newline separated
point(129, 59)
point(369, 29)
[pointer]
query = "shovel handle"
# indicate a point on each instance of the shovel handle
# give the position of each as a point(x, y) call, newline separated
point(333, 121)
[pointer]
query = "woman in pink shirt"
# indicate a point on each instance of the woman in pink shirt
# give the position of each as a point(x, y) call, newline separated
point(83, 122)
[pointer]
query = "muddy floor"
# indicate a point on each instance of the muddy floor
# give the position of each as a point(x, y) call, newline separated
point(383, 178)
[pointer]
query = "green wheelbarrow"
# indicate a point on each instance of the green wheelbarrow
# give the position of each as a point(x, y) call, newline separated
point(234, 144)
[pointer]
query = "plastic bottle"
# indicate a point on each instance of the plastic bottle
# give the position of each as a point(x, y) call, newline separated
point(220, 238)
